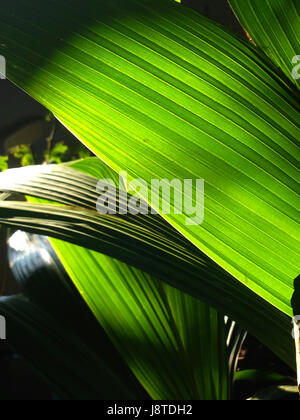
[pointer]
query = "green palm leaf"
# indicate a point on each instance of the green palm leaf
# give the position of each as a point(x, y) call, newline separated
point(174, 344)
point(274, 26)
point(146, 242)
point(154, 88)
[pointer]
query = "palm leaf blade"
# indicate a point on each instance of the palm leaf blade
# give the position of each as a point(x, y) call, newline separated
point(138, 241)
point(158, 90)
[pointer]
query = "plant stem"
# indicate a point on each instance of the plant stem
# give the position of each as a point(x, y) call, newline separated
point(49, 143)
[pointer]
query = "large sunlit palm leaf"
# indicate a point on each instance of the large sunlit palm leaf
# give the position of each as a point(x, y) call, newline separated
point(274, 26)
point(154, 88)
point(147, 242)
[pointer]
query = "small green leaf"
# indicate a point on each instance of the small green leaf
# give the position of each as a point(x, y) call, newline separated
point(23, 152)
point(3, 163)
point(57, 152)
